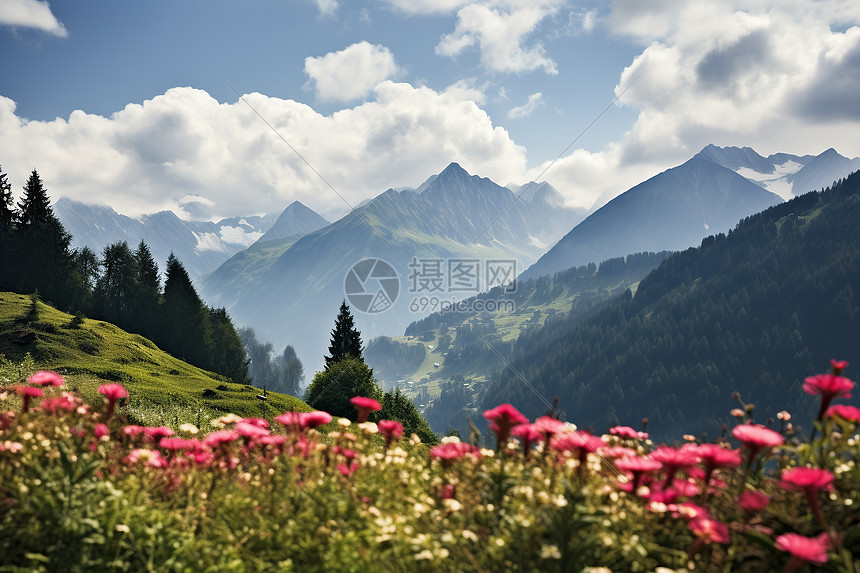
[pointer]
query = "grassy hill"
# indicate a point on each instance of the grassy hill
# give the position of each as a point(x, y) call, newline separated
point(162, 389)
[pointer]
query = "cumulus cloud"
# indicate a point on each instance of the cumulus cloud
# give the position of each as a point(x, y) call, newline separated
point(501, 32)
point(777, 75)
point(351, 73)
point(527, 108)
point(31, 14)
point(184, 150)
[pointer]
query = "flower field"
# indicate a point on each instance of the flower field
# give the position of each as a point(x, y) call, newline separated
point(81, 490)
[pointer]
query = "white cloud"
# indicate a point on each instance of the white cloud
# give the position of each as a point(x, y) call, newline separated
point(424, 7)
point(777, 75)
point(326, 7)
point(31, 14)
point(527, 108)
point(185, 150)
point(501, 31)
point(351, 73)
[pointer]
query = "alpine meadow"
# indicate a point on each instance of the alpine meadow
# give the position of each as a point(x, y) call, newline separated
point(402, 285)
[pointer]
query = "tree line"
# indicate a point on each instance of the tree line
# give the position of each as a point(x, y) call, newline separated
point(122, 286)
point(754, 311)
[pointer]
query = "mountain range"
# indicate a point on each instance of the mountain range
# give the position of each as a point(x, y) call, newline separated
point(677, 208)
point(201, 246)
point(453, 222)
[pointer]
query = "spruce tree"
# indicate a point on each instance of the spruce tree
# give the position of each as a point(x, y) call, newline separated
point(345, 338)
point(116, 289)
point(186, 330)
point(148, 294)
point(7, 207)
point(7, 239)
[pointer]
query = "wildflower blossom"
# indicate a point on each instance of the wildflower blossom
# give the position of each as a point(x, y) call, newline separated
point(528, 435)
point(828, 386)
point(709, 530)
point(364, 406)
point(638, 467)
point(753, 501)
point(808, 549)
point(101, 431)
point(56, 404)
point(450, 451)
point(289, 419)
point(838, 365)
point(314, 419)
point(674, 460)
point(502, 418)
point(112, 393)
point(851, 413)
point(391, 429)
point(27, 393)
point(46, 378)
point(715, 456)
point(756, 438)
point(628, 432)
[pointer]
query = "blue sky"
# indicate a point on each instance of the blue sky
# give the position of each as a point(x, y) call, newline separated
point(130, 104)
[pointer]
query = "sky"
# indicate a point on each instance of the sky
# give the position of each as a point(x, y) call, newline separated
point(221, 108)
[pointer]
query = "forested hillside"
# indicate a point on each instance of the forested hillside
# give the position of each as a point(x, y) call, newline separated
point(751, 312)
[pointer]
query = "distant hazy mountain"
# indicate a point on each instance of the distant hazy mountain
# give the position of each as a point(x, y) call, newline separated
point(295, 221)
point(671, 211)
point(290, 292)
point(200, 245)
point(782, 173)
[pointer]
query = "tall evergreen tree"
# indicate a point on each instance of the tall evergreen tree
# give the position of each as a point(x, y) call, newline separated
point(7, 240)
point(345, 338)
point(332, 389)
point(290, 371)
point(228, 353)
point(148, 294)
point(7, 206)
point(116, 289)
point(185, 330)
point(43, 258)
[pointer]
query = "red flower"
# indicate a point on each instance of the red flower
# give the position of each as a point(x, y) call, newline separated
point(101, 431)
point(709, 529)
point(52, 405)
point(845, 412)
point(502, 418)
point(220, 437)
point(46, 378)
point(391, 429)
point(27, 393)
point(112, 392)
point(829, 386)
point(578, 442)
point(251, 431)
point(314, 419)
point(448, 452)
point(756, 437)
point(838, 365)
point(638, 467)
point(527, 435)
point(674, 460)
point(178, 444)
point(715, 456)
point(753, 501)
point(259, 422)
point(155, 434)
point(364, 406)
point(807, 479)
point(628, 432)
point(809, 549)
point(289, 419)
point(549, 426)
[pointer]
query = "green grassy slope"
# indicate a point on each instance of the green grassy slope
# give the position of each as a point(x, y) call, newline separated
point(162, 389)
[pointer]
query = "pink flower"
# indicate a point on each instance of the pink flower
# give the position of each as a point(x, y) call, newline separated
point(155, 434)
point(502, 418)
point(756, 437)
point(53, 405)
point(578, 442)
point(220, 437)
point(149, 458)
point(364, 406)
point(753, 501)
point(27, 393)
point(527, 435)
point(807, 479)
point(838, 365)
point(314, 419)
point(715, 456)
point(101, 431)
point(628, 432)
point(809, 549)
point(828, 386)
point(46, 378)
point(709, 529)
point(179, 444)
point(289, 419)
point(844, 411)
point(391, 429)
point(638, 467)
point(674, 460)
point(133, 430)
point(549, 426)
point(112, 392)
point(259, 422)
point(448, 452)
point(251, 431)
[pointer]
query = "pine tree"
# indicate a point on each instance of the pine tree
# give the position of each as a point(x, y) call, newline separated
point(345, 338)
point(185, 332)
point(7, 211)
point(148, 294)
point(332, 389)
point(35, 206)
point(116, 288)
